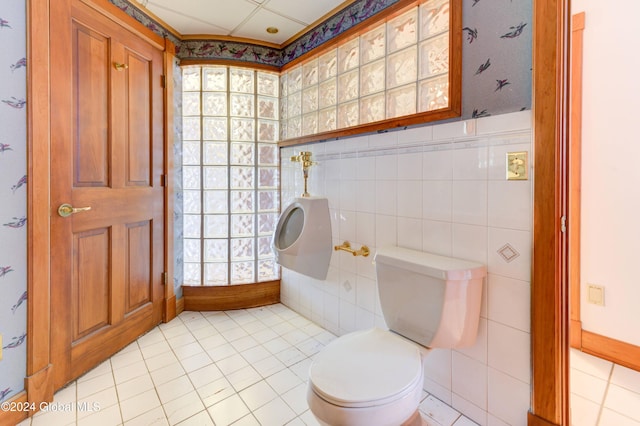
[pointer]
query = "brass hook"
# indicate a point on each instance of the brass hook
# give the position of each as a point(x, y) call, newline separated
point(119, 66)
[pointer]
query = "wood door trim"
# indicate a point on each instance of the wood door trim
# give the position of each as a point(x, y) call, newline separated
point(549, 284)
point(169, 311)
point(38, 212)
point(575, 176)
point(39, 380)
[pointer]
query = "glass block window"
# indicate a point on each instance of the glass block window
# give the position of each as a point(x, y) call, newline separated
point(230, 178)
point(396, 68)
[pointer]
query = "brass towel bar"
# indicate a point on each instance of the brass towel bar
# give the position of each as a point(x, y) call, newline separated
point(346, 246)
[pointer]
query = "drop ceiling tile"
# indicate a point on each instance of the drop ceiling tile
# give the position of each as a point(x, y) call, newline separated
point(256, 26)
point(307, 11)
point(185, 24)
point(218, 13)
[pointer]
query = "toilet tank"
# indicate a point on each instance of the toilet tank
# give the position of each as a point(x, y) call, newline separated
point(430, 299)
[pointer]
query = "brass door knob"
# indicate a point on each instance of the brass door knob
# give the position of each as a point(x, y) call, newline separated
point(66, 210)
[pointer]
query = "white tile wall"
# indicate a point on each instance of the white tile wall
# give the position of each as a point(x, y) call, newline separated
point(440, 189)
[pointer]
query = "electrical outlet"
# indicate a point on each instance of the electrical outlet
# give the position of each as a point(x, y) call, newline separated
point(595, 294)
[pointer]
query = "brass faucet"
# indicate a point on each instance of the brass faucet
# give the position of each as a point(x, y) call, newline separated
point(305, 158)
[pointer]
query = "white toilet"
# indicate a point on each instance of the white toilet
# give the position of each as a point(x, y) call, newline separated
point(302, 239)
point(375, 377)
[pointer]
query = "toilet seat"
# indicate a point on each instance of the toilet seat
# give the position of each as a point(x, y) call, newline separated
point(365, 369)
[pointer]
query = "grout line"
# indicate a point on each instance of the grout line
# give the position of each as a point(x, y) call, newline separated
point(606, 392)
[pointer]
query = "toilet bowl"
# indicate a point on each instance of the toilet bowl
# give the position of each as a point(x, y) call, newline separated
point(375, 377)
point(368, 378)
point(302, 239)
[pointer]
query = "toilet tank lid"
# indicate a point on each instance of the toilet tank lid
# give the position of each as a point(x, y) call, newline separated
point(433, 265)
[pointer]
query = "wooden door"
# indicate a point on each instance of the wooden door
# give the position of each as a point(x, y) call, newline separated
point(107, 155)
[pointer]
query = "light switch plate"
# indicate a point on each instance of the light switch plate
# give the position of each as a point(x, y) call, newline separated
point(595, 294)
point(518, 165)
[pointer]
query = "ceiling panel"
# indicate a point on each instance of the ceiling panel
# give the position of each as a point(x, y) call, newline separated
point(241, 18)
point(186, 24)
point(256, 27)
point(307, 11)
point(219, 13)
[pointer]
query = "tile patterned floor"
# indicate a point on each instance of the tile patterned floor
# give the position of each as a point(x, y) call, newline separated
point(241, 368)
point(603, 393)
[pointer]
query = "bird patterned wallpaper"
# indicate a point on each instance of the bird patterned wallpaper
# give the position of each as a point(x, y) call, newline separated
point(496, 79)
point(13, 197)
point(496, 57)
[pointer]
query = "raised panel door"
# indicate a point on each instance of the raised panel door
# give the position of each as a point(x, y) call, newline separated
point(107, 157)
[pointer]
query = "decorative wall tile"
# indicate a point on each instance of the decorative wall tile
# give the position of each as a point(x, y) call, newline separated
point(348, 86)
point(242, 105)
point(328, 65)
point(213, 104)
point(310, 73)
point(402, 67)
point(373, 44)
point(268, 84)
point(327, 119)
point(348, 56)
point(327, 95)
point(267, 131)
point(191, 103)
point(268, 108)
point(310, 123)
point(191, 226)
point(216, 226)
point(372, 77)
point(215, 273)
point(348, 114)
point(241, 80)
point(434, 93)
point(242, 153)
point(402, 31)
point(213, 79)
point(434, 56)
point(215, 250)
point(310, 99)
point(215, 129)
point(215, 153)
point(372, 108)
point(434, 19)
point(294, 81)
point(401, 101)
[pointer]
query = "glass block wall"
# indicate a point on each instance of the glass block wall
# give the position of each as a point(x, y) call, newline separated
point(397, 68)
point(230, 174)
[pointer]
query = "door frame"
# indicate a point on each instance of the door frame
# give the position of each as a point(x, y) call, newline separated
point(549, 395)
point(39, 381)
point(549, 278)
